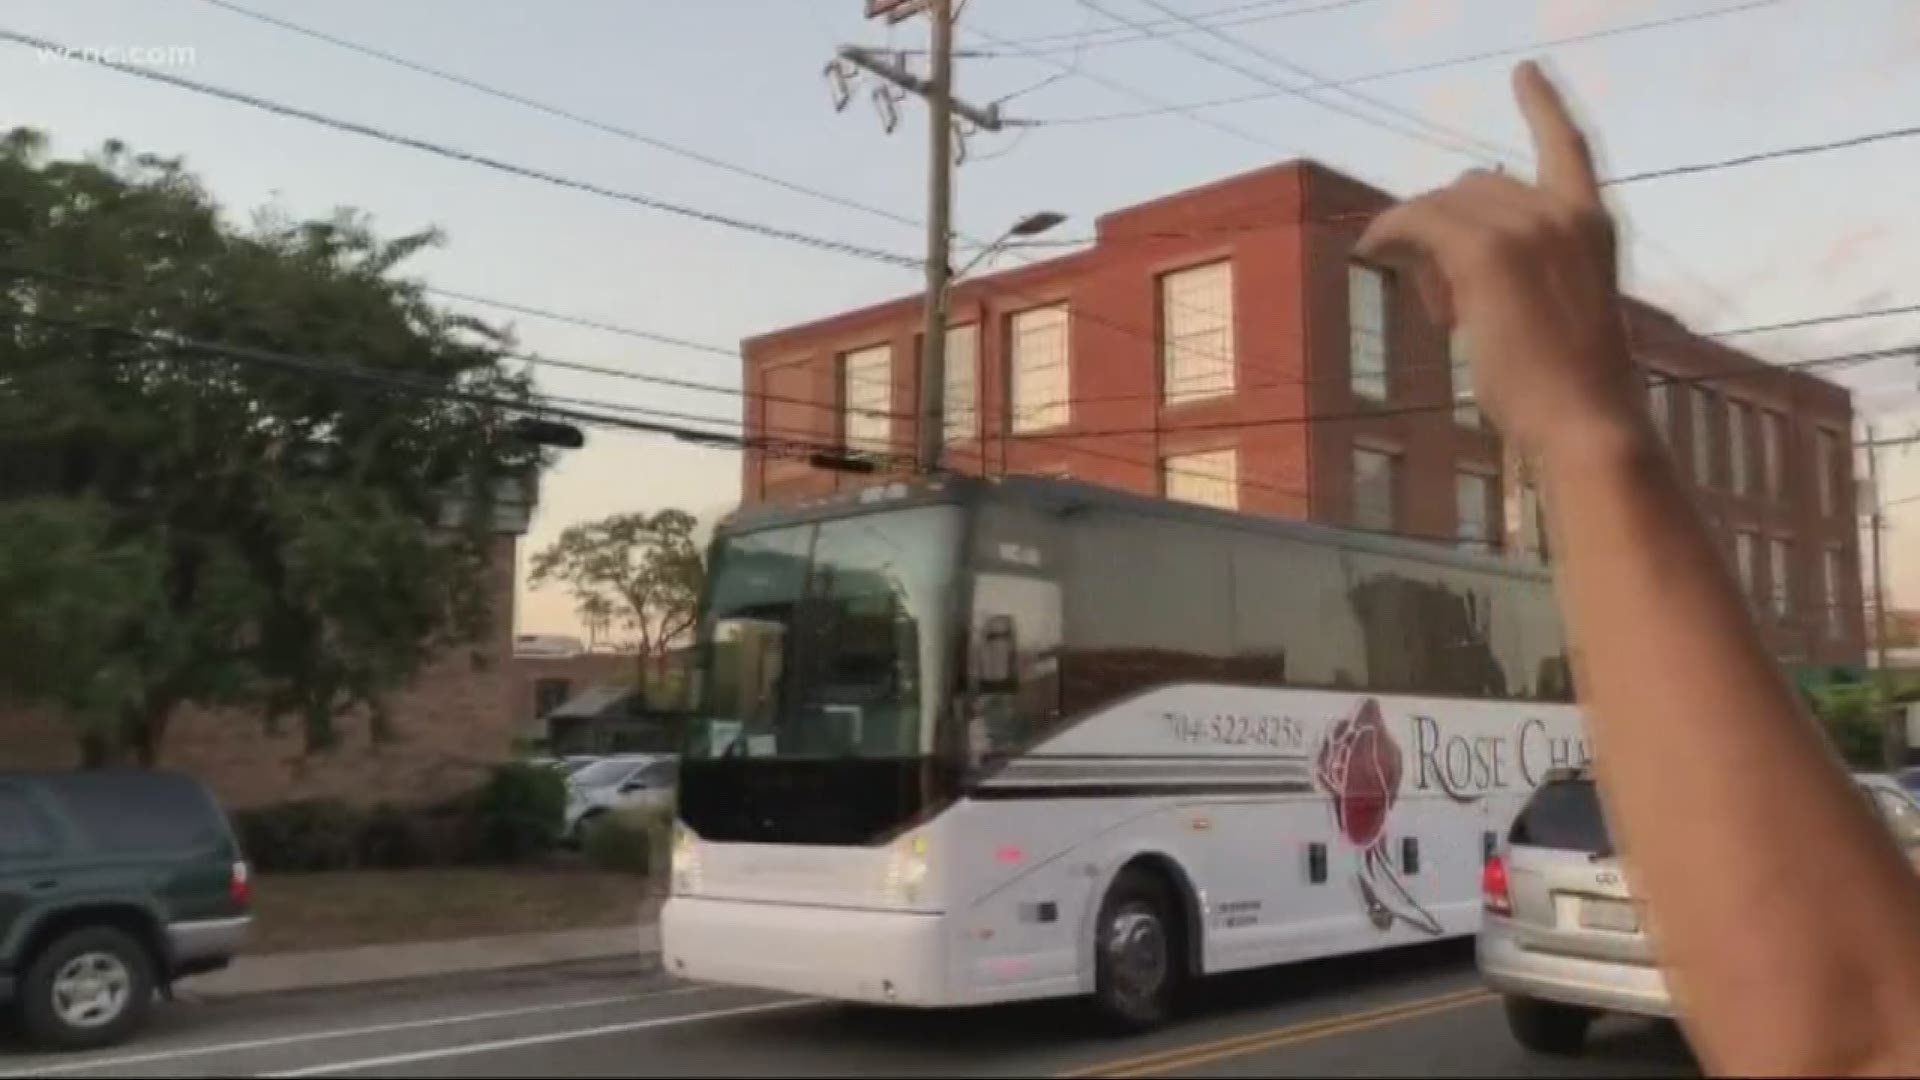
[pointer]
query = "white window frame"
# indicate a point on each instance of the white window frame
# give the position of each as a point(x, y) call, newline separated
point(1196, 333)
point(960, 420)
point(1779, 557)
point(1826, 454)
point(1660, 403)
point(1830, 587)
point(1466, 407)
point(1039, 385)
point(1204, 477)
point(1773, 437)
point(1467, 539)
point(866, 399)
point(1746, 556)
point(1392, 512)
point(1369, 331)
point(1701, 404)
point(1533, 523)
point(1738, 474)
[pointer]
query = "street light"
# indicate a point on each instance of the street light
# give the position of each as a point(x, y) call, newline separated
point(1032, 225)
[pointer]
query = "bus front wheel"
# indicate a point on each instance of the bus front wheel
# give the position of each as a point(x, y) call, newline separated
point(1137, 951)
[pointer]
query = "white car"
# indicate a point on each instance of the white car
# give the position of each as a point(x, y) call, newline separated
point(618, 783)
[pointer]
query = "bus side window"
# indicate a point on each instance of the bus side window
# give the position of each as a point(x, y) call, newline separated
point(1015, 659)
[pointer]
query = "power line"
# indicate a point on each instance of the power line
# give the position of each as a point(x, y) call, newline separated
point(1386, 411)
point(522, 356)
point(1100, 39)
point(581, 320)
point(562, 113)
point(773, 232)
point(371, 377)
point(1458, 142)
point(1137, 95)
point(1802, 150)
point(1531, 48)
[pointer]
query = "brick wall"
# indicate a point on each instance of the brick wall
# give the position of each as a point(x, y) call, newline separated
point(1288, 232)
point(449, 728)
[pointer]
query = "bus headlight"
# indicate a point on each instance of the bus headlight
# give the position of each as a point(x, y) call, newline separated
point(686, 860)
point(907, 870)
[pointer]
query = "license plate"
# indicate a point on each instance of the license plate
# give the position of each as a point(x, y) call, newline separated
point(1619, 916)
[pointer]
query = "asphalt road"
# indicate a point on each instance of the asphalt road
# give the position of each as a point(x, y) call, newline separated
point(1413, 1013)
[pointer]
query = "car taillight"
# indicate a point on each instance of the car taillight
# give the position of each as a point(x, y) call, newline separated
point(1493, 887)
point(240, 885)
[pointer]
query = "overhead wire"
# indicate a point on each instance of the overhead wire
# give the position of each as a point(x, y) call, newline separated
point(1529, 49)
point(527, 172)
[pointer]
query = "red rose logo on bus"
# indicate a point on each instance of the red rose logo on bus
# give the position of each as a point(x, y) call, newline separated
point(1359, 766)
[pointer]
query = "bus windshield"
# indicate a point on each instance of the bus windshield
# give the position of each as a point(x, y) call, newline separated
point(828, 639)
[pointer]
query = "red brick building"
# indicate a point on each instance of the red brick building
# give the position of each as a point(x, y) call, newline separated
point(1223, 345)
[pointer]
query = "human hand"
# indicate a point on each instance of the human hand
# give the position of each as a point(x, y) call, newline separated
point(1527, 272)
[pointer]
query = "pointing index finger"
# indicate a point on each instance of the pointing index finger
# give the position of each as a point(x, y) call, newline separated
point(1564, 162)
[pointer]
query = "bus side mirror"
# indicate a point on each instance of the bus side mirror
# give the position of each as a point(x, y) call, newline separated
point(998, 649)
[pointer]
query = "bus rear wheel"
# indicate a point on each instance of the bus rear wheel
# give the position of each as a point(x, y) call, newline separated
point(1137, 952)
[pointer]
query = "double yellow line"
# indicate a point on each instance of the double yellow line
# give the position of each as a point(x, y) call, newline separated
point(1188, 1057)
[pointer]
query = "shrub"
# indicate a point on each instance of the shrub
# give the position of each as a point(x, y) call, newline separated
point(308, 835)
point(392, 838)
point(629, 841)
point(520, 812)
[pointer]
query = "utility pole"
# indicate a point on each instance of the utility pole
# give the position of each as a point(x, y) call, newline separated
point(1893, 740)
point(931, 432)
point(942, 107)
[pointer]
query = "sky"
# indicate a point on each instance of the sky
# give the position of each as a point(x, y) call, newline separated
point(739, 82)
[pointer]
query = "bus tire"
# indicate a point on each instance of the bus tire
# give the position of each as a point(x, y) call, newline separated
point(1138, 951)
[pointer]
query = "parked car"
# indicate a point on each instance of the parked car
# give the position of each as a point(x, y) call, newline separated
point(113, 885)
point(614, 783)
point(1563, 939)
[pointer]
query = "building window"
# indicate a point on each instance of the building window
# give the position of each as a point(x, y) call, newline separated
point(1375, 487)
point(1367, 290)
point(1738, 416)
point(1211, 478)
point(1773, 434)
point(1196, 319)
point(1777, 562)
point(866, 399)
point(1830, 578)
point(1826, 467)
point(1533, 524)
point(1702, 437)
point(1472, 511)
point(1660, 400)
point(1039, 360)
point(961, 403)
point(1745, 555)
point(550, 694)
point(1466, 408)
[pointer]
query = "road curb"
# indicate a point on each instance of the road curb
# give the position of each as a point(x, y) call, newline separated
point(373, 964)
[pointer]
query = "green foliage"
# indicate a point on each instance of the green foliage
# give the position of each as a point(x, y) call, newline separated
point(299, 837)
point(1850, 714)
point(391, 838)
point(635, 841)
point(641, 571)
point(189, 528)
point(521, 811)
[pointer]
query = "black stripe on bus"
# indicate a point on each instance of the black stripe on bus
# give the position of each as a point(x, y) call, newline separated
point(1004, 792)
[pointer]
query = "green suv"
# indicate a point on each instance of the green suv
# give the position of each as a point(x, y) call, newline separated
point(112, 886)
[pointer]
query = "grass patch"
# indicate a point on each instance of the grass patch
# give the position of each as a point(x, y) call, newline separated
point(300, 912)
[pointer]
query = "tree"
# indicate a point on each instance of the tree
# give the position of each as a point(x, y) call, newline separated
point(645, 569)
point(183, 525)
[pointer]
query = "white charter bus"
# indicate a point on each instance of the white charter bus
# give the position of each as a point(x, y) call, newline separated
point(963, 741)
